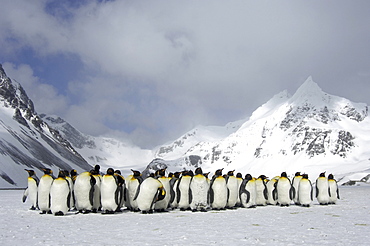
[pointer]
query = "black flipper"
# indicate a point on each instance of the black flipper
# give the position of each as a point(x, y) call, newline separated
point(25, 194)
point(137, 192)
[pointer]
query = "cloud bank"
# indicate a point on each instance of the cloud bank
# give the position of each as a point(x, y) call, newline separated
point(152, 70)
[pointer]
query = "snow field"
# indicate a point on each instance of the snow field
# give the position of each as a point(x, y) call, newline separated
point(346, 223)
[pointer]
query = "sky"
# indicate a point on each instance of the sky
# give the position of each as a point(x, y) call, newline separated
point(146, 72)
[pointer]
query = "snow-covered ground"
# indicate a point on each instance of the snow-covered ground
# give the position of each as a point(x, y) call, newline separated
point(347, 223)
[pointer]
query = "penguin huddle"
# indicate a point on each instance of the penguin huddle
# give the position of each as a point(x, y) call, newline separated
point(109, 193)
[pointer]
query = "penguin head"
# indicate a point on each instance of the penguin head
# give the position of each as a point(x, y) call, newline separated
point(66, 173)
point(206, 174)
point(61, 174)
point(284, 175)
point(198, 171)
point(248, 177)
point(151, 175)
point(330, 176)
point(263, 177)
point(136, 173)
point(73, 172)
point(177, 174)
point(30, 172)
point(117, 172)
point(322, 174)
point(230, 173)
point(297, 174)
point(161, 172)
point(239, 175)
point(97, 168)
point(218, 172)
point(190, 173)
point(304, 176)
point(47, 171)
point(110, 171)
point(170, 174)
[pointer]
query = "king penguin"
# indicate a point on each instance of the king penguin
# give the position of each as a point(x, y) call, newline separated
point(218, 192)
point(182, 190)
point(284, 190)
point(121, 196)
point(295, 182)
point(31, 190)
point(60, 195)
point(132, 184)
point(161, 206)
point(305, 191)
point(271, 191)
point(110, 198)
point(261, 191)
point(97, 196)
point(322, 189)
point(148, 193)
point(70, 182)
point(247, 192)
point(333, 189)
point(239, 178)
point(233, 191)
point(43, 192)
point(84, 192)
point(198, 191)
point(173, 185)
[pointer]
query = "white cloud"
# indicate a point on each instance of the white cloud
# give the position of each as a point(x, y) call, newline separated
point(157, 68)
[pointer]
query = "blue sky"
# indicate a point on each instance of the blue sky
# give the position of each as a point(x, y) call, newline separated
point(148, 71)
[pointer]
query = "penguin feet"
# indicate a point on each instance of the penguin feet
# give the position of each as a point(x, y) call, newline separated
point(59, 213)
point(32, 208)
point(182, 209)
point(203, 210)
point(194, 210)
point(150, 211)
point(94, 211)
point(43, 212)
point(86, 212)
point(108, 212)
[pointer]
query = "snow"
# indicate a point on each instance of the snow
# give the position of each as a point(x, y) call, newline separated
point(346, 223)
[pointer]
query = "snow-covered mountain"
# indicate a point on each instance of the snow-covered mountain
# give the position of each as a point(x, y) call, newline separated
point(26, 141)
point(310, 131)
point(107, 152)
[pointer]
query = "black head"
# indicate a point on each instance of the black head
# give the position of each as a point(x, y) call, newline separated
point(177, 174)
point(230, 173)
point(47, 171)
point(248, 177)
point(161, 172)
point(97, 168)
point(218, 172)
point(61, 174)
point(239, 175)
point(322, 174)
point(73, 172)
point(30, 172)
point(283, 174)
point(190, 173)
point(330, 176)
point(110, 171)
point(117, 172)
point(263, 177)
point(305, 176)
point(151, 175)
point(206, 174)
point(198, 170)
point(170, 174)
point(135, 173)
point(297, 174)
